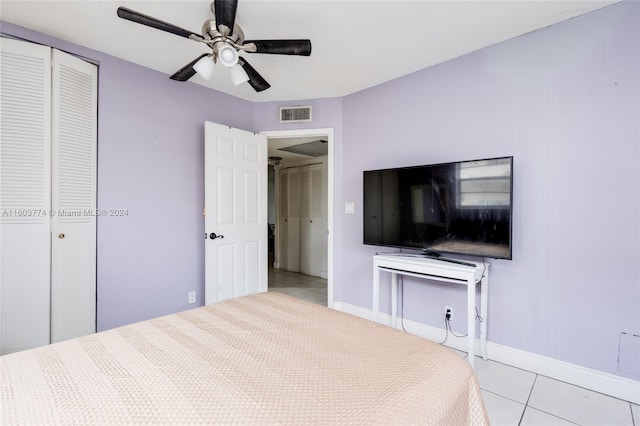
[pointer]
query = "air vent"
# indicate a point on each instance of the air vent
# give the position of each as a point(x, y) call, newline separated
point(295, 114)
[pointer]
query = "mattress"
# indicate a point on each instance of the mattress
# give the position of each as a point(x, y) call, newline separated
point(260, 359)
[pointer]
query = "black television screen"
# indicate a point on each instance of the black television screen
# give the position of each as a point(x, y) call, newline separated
point(459, 208)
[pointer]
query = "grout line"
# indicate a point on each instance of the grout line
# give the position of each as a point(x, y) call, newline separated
point(535, 380)
point(552, 415)
point(526, 404)
point(505, 397)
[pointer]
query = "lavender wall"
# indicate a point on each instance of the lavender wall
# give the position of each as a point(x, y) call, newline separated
point(564, 101)
point(150, 162)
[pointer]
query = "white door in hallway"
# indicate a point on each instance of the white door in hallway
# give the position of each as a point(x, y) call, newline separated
point(289, 219)
point(235, 213)
point(311, 236)
point(302, 242)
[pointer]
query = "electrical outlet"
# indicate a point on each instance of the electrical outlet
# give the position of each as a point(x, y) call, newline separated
point(192, 297)
point(448, 313)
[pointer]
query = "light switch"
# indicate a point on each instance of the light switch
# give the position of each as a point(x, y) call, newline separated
point(349, 208)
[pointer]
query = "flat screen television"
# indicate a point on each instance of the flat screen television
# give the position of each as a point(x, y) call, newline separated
point(458, 208)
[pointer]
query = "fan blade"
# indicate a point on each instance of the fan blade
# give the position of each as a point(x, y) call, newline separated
point(255, 79)
point(281, 47)
point(225, 11)
point(186, 72)
point(133, 16)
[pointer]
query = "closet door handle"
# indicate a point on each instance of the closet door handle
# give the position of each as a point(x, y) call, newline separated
point(61, 236)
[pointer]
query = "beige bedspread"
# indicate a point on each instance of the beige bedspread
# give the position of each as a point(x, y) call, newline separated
point(260, 359)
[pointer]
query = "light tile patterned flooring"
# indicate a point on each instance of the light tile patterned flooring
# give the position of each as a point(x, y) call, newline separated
point(518, 397)
point(312, 289)
point(512, 396)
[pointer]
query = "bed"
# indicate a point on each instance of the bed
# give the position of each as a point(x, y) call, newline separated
point(261, 359)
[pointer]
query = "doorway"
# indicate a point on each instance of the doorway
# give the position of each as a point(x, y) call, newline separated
point(301, 153)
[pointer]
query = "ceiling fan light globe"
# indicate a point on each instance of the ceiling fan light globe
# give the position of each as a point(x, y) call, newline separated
point(238, 75)
point(228, 56)
point(204, 67)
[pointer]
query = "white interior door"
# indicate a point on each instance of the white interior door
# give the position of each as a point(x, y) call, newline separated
point(47, 185)
point(73, 227)
point(25, 182)
point(312, 247)
point(282, 229)
point(305, 220)
point(235, 213)
point(292, 220)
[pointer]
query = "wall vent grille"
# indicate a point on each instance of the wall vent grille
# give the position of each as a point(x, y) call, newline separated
point(295, 114)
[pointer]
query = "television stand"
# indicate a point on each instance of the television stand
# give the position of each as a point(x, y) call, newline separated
point(419, 266)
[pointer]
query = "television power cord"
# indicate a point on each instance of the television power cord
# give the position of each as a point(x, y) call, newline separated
point(448, 329)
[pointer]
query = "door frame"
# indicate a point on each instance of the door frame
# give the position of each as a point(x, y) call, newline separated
point(329, 134)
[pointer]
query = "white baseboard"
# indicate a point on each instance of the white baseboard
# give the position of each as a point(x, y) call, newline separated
point(606, 383)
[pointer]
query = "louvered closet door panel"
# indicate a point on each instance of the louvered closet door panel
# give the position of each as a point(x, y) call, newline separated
point(293, 224)
point(305, 219)
point(25, 169)
point(73, 271)
point(317, 234)
point(283, 219)
point(311, 237)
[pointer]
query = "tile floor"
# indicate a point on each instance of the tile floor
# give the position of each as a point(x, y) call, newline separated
point(312, 289)
point(512, 396)
point(518, 397)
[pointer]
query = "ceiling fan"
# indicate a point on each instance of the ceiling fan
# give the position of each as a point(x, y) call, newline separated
point(226, 40)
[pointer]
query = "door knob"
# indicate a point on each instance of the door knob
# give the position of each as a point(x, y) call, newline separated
point(61, 236)
point(213, 236)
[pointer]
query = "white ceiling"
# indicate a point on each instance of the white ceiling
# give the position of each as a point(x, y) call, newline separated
point(356, 44)
point(276, 144)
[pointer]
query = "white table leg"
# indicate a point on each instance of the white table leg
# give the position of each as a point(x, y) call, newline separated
point(394, 300)
point(376, 292)
point(484, 292)
point(471, 320)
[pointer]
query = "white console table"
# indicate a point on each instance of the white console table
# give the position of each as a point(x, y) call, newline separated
point(437, 270)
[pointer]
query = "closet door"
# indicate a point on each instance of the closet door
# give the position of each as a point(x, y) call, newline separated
point(290, 219)
point(73, 243)
point(311, 236)
point(317, 227)
point(283, 220)
point(25, 170)
point(293, 216)
point(305, 220)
